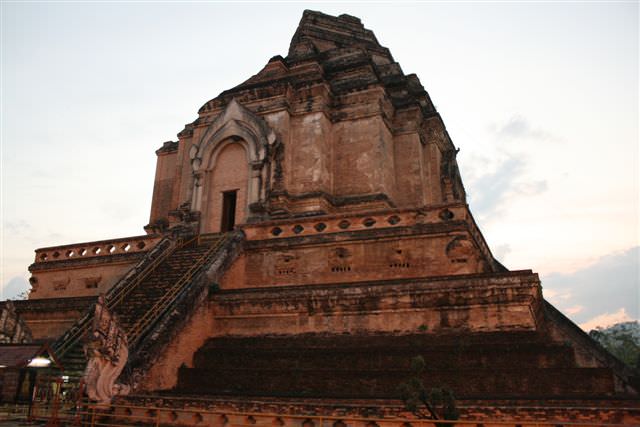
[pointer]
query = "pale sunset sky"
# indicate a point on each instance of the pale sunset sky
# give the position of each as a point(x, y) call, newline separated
point(540, 97)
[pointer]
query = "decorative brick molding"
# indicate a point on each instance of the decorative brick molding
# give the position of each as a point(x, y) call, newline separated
point(99, 248)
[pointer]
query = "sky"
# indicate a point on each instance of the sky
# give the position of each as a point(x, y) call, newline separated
point(540, 97)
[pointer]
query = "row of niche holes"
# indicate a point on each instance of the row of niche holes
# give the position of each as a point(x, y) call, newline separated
point(339, 269)
point(197, 417)
point(340, 423)
point(97, 251)
point(91, 285)
point(173, 416)
point(400, 265)
point(277, 422)
point(344, 224)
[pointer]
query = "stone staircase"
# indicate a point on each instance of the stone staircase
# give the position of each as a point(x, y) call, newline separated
point(141, 300)
point(505, 365)
point(145, 294)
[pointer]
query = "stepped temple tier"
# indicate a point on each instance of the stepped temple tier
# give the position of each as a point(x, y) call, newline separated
point(309, 237)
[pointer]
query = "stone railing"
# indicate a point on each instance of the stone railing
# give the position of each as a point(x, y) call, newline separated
point(355, 222)
point(100, 248)
point(117, 293)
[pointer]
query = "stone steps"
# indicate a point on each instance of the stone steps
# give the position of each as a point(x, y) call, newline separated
point(504, 364)
point(140, 299)
point(553, 357)
point(384, 383)
point(157, 284)
point(378, 352)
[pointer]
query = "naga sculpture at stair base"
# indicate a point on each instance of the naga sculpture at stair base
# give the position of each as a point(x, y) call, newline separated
point(107, 352)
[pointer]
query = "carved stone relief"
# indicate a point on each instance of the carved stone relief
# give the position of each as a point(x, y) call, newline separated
point(107, 352)
point(340, 260)
point(286, 264)
point(462, 254)
point(399, 258)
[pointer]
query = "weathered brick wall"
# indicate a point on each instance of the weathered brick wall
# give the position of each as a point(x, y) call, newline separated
point(406, 307)
point(467, 303)
point(351, 122)
point(162, 200)
point(87, 268)
point(80, 279)
point(308, 153)
point(364, 161)
point(351, 261)
point(48, 318)
point(352, 248)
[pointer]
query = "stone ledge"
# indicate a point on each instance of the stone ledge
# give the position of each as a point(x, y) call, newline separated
point(527, 275)
point(71, 263)
point(473, 303)
point(54, 304)
point(607, 409)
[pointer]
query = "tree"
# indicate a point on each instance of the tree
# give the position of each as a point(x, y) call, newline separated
point(437, 400)
point(22, 295)
point(622, 340)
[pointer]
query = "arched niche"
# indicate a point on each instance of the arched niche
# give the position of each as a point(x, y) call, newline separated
point(235, 125)
point(226, 189)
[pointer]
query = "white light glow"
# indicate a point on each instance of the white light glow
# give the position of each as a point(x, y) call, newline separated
point(39, 362)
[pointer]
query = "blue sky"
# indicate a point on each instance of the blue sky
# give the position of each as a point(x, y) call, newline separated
point(541, 98)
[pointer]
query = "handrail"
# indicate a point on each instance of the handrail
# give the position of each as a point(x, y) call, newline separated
point(117, 293)
point(136, 331)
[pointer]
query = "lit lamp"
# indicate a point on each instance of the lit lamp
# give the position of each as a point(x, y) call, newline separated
point(39, 362)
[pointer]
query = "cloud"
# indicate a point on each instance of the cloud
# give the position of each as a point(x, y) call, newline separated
point(575, 309)
point(17, 227)
point(14, 287)
point(607, 289)
point(490, 192)
point(518, 127)
point(607, 319)
point(501, 251)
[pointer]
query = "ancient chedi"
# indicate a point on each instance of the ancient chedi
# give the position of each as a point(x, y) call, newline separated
point(309, 235)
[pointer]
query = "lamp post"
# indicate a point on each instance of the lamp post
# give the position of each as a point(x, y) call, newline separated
point(35, 363)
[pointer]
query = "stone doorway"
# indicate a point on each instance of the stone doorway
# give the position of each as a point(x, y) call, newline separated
point(229, 199)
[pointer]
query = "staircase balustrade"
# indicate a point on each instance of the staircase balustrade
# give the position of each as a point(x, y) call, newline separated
point(118, 292)
point(67, 346)
point(145, 322)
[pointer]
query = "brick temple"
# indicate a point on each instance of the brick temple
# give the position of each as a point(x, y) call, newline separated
point(309, 235)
